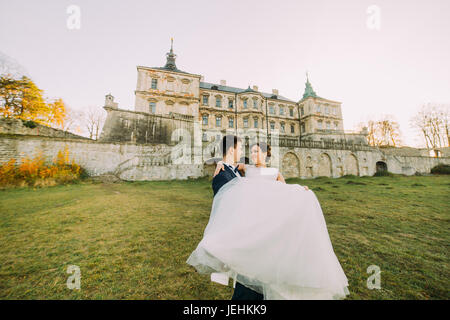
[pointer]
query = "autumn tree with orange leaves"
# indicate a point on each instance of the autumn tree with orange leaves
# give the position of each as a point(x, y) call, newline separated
point(22, 99)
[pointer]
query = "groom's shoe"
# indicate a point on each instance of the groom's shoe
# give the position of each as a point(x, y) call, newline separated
point(241, 292)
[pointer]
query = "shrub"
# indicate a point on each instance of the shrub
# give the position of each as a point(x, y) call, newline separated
point(36, 172)
point(383, 174)
point(441, 169)
point(29, 123)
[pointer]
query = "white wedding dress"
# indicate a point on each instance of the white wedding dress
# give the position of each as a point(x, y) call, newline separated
point(271, 237)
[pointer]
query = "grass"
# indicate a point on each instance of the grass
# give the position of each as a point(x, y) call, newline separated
point(131, 240)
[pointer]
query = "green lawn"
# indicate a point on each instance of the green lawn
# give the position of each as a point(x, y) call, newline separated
point(131, 240)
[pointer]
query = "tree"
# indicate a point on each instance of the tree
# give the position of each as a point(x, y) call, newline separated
point(94, 119)
point(432, 122)
point(22, 99)
point(383, 132)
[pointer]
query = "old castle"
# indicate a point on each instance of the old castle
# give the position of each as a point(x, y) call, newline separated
point(178, 121)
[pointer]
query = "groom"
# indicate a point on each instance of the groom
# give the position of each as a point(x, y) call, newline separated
point(231, 151)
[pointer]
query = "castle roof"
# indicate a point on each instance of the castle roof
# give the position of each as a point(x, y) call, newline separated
point(213, 86)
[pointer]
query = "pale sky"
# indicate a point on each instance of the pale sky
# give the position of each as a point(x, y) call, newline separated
point(270, 44)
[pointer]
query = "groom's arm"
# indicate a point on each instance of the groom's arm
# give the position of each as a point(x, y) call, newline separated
point(218, 181)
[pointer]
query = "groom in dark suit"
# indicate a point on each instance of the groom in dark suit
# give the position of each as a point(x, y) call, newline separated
point(231, 151)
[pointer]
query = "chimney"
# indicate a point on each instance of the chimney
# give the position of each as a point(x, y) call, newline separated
point(223, 82)
point(255, 88)
point(202, 78)
point(275, 91)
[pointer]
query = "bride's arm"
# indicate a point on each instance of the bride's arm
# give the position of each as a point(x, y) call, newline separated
point(280, 177)
point(218, 168)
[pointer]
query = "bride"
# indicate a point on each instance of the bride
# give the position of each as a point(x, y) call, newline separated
point(270, 236)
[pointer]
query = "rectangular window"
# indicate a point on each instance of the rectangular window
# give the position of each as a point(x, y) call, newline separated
point(255, 123)
point(272, 126)
point(292, 128)
point(153, 107)
point(245, 122)
point(218, 102)
point(205, 119)
point(282, 127)
point(328, 125)
point(301, 111)
point(218, 121)
point(271, 110)
point(319, 124)
point(255, 104)
point(231, 122)
point(205, 100)
point(281, 111)
point(317, 108)
point(291, 112)
point(230, 104)
point(245, 104)
point(154, 83)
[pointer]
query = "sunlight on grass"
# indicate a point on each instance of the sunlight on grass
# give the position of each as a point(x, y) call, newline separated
point(131, 240)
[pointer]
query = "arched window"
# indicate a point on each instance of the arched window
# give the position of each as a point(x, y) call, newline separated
point(205, 119)
point(205, 101)
point(319, 124)
point(272, 125)
point(218, 121)
point(154, 83)
point(230, 122)
point(218, 102)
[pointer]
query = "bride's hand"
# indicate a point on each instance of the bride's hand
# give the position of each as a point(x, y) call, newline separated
point(219, 167)
point(306, 188)
point(241, 167)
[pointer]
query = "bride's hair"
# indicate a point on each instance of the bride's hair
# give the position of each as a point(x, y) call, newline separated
point(264, 148)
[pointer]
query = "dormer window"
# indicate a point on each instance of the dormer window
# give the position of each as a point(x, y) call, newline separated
point(215, 87)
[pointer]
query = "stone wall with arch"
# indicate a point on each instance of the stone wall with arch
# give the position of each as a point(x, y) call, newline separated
point(336, 163)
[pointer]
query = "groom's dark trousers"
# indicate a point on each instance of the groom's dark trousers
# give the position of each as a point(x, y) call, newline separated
point(241, 292)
